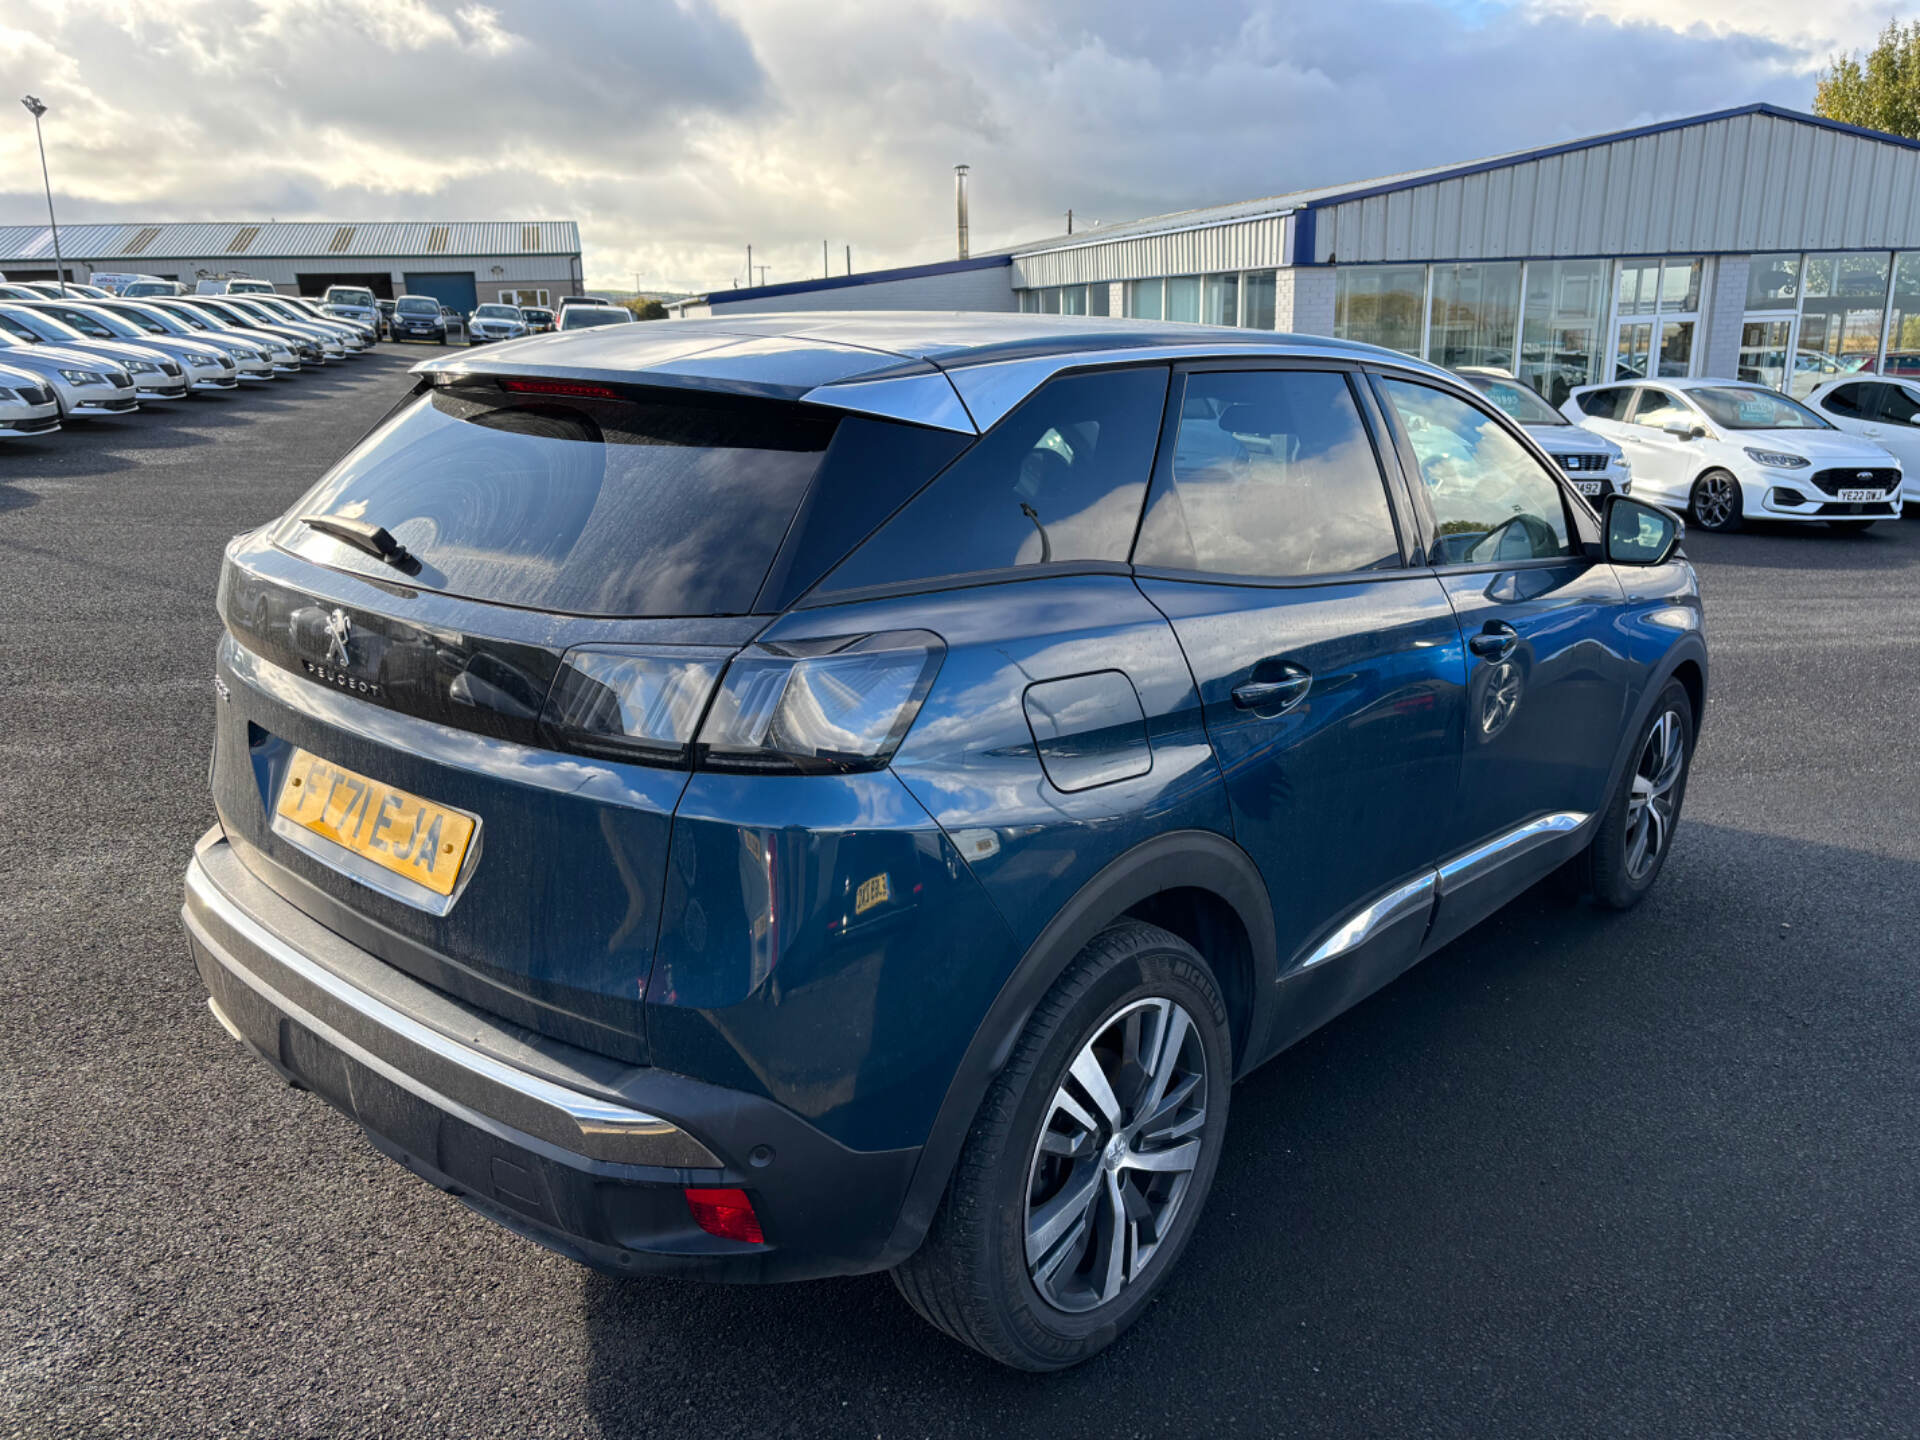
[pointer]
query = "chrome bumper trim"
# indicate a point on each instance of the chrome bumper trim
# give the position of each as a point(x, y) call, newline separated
point(451, 1076)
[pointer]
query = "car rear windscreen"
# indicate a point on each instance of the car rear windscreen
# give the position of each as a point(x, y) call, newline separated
point(650, 502)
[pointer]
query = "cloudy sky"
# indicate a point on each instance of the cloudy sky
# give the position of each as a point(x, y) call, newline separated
point(679, 131)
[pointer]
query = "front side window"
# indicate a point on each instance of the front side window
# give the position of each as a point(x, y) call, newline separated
point(1657, 408)
point(1898, 405)
point(1273, 475)
point(1061, 478)
point(1491, 500)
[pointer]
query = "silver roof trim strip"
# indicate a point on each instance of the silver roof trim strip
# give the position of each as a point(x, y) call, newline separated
point(925, 399)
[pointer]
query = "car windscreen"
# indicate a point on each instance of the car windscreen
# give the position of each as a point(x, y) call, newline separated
point(650, 502)
point(1522, 402)
point(497, 312)
point(363, 298)
point(1738, 407)
point(144, 319)
point(418, 307)
point(31, 323)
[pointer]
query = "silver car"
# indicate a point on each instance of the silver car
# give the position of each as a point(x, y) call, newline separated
point(83, 384)
point(278, 307)
point(496, 322)
point(207, 367)
point(265, 358)
point(305, 307)
point(208, 327)
point(157, 376)
point(325, 347)
point(27, 405)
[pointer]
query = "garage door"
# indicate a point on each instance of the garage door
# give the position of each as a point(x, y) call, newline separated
point(449, 287)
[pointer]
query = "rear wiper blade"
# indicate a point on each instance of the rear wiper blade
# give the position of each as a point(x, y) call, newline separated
point(375, 540)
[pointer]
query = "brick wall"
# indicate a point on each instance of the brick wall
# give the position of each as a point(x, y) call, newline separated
point(1303, 300)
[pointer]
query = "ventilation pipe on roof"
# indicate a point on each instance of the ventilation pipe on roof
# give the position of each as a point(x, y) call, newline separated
point(960, 205)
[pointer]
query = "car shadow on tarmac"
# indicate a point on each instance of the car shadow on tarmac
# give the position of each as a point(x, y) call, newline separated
point(1772, 545)
point(1539, 1184)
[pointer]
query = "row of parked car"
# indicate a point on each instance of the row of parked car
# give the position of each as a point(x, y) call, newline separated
point(81, 350)
point(1729, 451)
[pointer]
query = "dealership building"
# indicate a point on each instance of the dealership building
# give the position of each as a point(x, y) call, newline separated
point(1758, 242)
point(460, 262)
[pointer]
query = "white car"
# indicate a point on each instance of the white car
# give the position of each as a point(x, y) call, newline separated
point(27, 405)
point(1880, 408)
point(1595, 466)
point(1727, 451)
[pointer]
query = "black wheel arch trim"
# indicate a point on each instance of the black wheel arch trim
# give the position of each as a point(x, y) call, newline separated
point(1179, 859)
point(1689, 648)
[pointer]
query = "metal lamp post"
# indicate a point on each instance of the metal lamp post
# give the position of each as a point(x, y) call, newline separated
point(36, 109)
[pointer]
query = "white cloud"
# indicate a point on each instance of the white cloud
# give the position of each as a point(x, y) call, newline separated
point(679, 131)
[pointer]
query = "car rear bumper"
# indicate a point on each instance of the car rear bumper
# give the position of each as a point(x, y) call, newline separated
point(587, 1155)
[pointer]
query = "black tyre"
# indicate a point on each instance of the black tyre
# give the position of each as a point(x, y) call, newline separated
point(1851, 527)
point(1087, 1166)
point(1715, 502)
point(1637, 830)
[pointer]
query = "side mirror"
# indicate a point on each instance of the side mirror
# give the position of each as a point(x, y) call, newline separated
point(1639, 533)
point(1684, 429)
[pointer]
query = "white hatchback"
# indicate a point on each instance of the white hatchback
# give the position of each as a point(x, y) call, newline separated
point(1727, 451)
point(1882, 408)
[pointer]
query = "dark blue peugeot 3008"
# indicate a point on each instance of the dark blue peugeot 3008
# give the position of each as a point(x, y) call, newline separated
point(801, 795)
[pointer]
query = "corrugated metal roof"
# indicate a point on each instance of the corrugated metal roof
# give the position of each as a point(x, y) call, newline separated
point(193, 240)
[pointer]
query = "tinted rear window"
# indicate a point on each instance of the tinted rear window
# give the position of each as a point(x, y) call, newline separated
point(661, 503)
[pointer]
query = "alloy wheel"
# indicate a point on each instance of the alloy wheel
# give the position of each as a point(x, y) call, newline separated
point(1116, 1154)
point(1715, 500)
point(1655, 794)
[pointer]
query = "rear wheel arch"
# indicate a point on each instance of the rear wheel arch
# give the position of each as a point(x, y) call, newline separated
point(1202, 881)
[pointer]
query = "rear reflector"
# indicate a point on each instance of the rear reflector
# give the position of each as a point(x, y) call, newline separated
point(578, 389)
point(726, 1213)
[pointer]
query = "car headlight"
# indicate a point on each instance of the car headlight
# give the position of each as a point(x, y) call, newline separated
point(8, 395)
point(1777, 459)
point(143, 367)
point(206, 362)
point(83, 377)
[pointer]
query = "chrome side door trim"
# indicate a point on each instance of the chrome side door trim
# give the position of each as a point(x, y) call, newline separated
point(1488, 857)
point(1373, 919)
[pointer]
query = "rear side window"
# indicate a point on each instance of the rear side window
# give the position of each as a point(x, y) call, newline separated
point(1898, 406)
point(1611, 403)
point(654, 502)
point(1273, 475)
point(1848, 400)
point(1061, 478)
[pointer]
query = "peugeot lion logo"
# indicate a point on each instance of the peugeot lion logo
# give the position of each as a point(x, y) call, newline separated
point(339, 631)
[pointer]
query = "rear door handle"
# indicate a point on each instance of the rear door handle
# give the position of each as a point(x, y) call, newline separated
point(1495, 642)
point(1274, 697)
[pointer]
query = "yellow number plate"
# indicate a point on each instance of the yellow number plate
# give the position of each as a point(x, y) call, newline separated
point(412, 837)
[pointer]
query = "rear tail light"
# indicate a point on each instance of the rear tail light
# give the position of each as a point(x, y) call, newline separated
point(810, 707)
point(629, 703)
point(820, 705)
point(726, 1213)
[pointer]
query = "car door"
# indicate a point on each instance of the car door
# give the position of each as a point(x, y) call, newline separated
point(1664, 465)
point(1547, 682)
point(1329, 666)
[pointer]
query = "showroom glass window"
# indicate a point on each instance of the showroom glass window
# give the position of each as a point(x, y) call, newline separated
point(1903, 323)
point(1491, 500)
point(1657, 310)
point(1474, 315)
point(1257, 300)
point(1560, 325)
point(1842, 308)
point(1220, 301)
point(1380, 305)
point(1146, 299)
point(1183, 298)
point(1275, 476)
